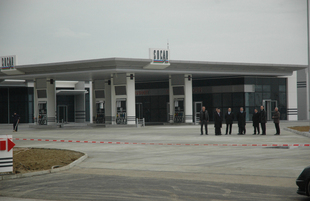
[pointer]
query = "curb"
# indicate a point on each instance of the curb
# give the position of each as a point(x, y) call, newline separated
point(31, 174)
point(297, 132)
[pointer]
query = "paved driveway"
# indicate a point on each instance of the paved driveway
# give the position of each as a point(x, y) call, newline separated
point(165, 172)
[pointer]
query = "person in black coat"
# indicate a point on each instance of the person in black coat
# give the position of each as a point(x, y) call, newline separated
point(218, 122)
point(16, 119)
point(255, 119)
point(276, 119)
point(229, 117)
point(204, 119)
point(241, 117)
point(263, 119)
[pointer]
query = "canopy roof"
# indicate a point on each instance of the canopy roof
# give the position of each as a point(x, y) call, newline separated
point(87, 70)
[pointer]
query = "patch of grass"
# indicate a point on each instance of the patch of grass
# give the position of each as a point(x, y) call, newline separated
point(300, 128)
point(36, 159)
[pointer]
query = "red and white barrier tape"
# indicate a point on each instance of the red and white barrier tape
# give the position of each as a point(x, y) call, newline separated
point(175, 144)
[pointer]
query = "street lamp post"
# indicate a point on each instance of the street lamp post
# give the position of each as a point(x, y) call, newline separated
point(308, 70)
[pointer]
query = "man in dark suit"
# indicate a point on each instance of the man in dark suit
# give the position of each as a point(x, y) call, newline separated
point(204, 119)
point(263, 119)
point(241, 117)
point(276, 120)
point(255, 119)
point(16, 119)
point(229, 117)
point(218, 122)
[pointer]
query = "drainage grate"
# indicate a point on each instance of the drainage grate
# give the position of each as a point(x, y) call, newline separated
point(279, 147)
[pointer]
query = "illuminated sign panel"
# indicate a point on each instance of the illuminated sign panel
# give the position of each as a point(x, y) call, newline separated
point(160, 58)
point(159, 55)
point(8, 62)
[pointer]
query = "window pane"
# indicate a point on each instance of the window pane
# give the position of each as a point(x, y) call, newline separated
point(282, 88)
point(249, 113)
point(266, 88)
point(266, 96)
point(258, 88)
point(238, 99)
point(282, 99)
point(227, 100)
point(249, 99)
point(217, 100)
point(258, 99)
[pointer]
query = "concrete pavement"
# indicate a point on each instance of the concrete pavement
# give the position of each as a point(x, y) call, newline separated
point(274, 168)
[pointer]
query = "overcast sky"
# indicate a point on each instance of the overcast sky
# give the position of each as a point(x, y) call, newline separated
point(252, 31)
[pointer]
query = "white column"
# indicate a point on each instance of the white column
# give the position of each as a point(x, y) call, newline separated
point(188, 99)
point(292, 112)
point(171, 100)
point(51, 102)
point(131, 99)
point(308, 91)
point(91, 102)
point(308, 69)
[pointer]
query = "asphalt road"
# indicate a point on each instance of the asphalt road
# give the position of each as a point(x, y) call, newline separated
point(154, 172)
point(72, 186)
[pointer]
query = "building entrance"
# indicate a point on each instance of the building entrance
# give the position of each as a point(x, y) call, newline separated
point(269, 107)
point(121, 114)
point(62, 114)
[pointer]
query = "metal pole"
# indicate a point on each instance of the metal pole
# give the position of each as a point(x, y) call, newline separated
point(307, 75)
point(9, 105)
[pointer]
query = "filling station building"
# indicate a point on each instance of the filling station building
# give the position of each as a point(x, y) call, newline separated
point(160, 90)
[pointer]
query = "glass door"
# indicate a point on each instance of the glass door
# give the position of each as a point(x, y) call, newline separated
point(197, 107)
point(62, 114)
point(139, 110)
point(270, 105)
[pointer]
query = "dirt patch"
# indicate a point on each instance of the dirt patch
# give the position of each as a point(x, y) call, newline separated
point(300, 128)
point(35, 159)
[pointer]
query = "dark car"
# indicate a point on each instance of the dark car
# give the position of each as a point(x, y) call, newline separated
point(303, 182)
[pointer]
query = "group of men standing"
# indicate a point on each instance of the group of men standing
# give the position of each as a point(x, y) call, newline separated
point(257, 118)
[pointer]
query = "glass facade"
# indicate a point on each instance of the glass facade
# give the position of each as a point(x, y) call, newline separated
point(223, 100)
point(154, 100)
point(16, 99)
point(267, 90)
point(154, 107)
